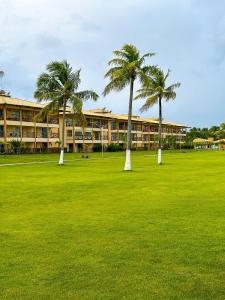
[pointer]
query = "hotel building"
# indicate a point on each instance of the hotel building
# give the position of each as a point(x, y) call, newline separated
point(18, 122)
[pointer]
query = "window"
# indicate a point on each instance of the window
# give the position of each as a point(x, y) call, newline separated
point(13, 115)
point(27, 116)
point(1, 114)
point(114, 126)
point(138, 127)
point(134, 137)
point(104, 124)
point(69, 133)
point(44, 132)
point(69, 122)
point(13, 132)
point(146, 137)
point(1, 131)
point(133, 127)
point(78, 135)
point(122, 126)
point(97, 135)
point(53, 119)
point(114, 137)
point(88, 122)
point(96, 124)
point(146, 128)
point(87, 136)
point(122, 137)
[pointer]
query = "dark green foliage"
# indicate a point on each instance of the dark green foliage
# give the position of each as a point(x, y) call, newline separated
point(215, 132)
point(97, 148)
point(17, 147)
point(113, 148)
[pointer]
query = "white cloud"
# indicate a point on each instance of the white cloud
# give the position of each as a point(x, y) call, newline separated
point(186, 34)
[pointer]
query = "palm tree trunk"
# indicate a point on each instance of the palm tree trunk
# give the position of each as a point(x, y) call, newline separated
point(127, 166)
point(61, 159)
point(160, 133)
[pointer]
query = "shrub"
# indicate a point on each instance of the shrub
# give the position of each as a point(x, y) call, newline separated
point(97, 148)
point(113, 148)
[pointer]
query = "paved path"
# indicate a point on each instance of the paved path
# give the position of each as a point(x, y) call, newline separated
point(54, 161)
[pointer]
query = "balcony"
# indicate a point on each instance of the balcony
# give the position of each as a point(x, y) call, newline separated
point(27, 116)
point(52, 120)
point(13, 116)
point(54, 135)
point(114, 126)
point(79, 137)
point(122, 126)
point(12, 134)
point(87, 136)
point(28, 134)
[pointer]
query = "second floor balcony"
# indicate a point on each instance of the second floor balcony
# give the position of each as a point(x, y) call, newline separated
point(13, 115)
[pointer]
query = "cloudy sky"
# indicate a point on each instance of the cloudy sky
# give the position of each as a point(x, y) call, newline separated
point(188, 37)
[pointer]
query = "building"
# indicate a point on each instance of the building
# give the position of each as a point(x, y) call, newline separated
point(18, 123)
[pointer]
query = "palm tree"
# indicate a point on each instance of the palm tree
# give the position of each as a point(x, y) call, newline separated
point(154, 90)
point(58, 86)
point(125, 68)
point(1, 73)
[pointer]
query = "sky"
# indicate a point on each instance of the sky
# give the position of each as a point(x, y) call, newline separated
point(188, 37)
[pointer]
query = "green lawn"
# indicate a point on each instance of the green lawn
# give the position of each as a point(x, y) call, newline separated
point(88, 230)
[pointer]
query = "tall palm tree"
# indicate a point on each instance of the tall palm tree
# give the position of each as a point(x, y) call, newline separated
point(1, 73)
point(154, 90)
point(58, 86)
point(125, 68)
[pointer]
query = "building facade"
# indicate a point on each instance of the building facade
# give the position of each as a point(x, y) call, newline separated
point(18, 122)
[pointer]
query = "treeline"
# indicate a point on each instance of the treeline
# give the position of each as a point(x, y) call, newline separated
point(215, 132)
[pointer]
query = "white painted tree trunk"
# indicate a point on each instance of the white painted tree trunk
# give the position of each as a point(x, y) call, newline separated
point(127, 166)
point(61, 159)
point(159, 156)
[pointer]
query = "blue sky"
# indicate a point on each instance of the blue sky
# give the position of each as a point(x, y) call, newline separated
point(188, 37)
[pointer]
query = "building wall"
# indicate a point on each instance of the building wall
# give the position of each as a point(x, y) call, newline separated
point(19, 124)
point(39, 134)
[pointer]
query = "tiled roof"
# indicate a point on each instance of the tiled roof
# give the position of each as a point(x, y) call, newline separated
point(20, 102)
point(92, 112)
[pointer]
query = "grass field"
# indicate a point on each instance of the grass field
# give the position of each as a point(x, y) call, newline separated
point(88, 230)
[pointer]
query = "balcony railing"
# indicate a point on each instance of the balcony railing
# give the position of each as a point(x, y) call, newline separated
point(13, 134)
point(40, 135)
point(28, 134)
point(79, 137)
point(52, 120)
point(88, 138)
point(54, 135)
point(13, 118)
point(27, 118)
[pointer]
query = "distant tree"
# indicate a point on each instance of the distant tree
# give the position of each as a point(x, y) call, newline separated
point(58, 86)
point(154, 90)
point(214, 128)
point(3, 92)
point(222, 126)
point(127, 66)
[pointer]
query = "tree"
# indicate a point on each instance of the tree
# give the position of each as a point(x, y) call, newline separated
point(3, 92)
point(58, 86)
point(126, 66)
point(222, 126)
point(154, 90)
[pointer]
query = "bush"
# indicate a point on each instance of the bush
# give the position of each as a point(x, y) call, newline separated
point(113, 148)
point(97, 148)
